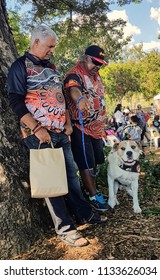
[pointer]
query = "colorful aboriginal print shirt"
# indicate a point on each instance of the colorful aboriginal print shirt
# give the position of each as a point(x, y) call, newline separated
point(92, 88)
point(40, 83)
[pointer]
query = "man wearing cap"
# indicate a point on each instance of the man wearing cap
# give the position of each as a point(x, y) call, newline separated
point(84, 93)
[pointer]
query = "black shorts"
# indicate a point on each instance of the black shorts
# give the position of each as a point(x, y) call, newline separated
point(93, 149)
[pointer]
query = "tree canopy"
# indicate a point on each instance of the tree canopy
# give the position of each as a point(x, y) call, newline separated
point(137, 73)
point(78, 24)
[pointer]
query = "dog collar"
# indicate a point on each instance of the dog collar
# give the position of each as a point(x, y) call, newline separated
point(134, 168)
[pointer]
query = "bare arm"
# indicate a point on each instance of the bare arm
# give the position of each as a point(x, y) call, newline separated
point(68, 126)
point(41, 134)
point(83, 104)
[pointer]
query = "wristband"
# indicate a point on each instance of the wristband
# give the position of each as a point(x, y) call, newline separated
point(37, 129)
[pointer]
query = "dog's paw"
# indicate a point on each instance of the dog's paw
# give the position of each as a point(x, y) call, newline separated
point(111, 202)
point(137, 210)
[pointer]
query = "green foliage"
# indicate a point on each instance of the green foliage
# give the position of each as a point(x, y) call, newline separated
point(151, 178)
point(21, 38)
point(134, 54)
point(137, 72)
point(110, 105)
point(156, 172)
point(150, 181)
point(120, 79)
point(150, 74)
point(151, 211)
point(102, 176)
point(72, 44)
point(124, 2)
point(94, 8)
point(78, 24)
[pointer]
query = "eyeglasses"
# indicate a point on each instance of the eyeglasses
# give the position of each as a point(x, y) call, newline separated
point(95, 62)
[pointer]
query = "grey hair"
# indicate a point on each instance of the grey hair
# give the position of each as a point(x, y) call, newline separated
point(41, 32)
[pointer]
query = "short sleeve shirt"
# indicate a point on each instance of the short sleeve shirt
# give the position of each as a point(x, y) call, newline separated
point(92, 88)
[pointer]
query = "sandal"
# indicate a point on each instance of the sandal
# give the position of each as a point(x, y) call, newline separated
point(75, 239)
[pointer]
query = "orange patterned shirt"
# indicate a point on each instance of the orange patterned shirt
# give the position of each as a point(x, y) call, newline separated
point(44, 98)
point(92, 88)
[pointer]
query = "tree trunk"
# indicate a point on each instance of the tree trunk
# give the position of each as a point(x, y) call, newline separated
point(22, 219)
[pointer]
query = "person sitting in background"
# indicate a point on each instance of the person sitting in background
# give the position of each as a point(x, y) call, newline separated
point(110, 122)
point(127, 120)
point(126, 117)
point(118, 116)
point(152, 109)
point(156, 122)
point(123, 118)
point(127, 108)
point(133, 130)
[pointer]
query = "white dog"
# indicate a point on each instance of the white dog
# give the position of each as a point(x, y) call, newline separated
point(123, 169)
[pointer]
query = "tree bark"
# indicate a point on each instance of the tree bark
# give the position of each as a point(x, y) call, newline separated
point(22, 220)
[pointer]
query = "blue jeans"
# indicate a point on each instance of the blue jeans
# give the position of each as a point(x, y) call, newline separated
point(74, 202)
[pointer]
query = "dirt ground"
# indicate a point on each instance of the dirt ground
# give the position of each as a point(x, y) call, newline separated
point(125, 236)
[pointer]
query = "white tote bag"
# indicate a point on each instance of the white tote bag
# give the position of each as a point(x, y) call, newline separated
point(47, 173)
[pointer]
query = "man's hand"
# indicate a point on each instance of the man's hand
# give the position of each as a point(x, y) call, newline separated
point(68, 129)
point(68, 126)
point(43, 136)
point(84, 105)
point(42, 133)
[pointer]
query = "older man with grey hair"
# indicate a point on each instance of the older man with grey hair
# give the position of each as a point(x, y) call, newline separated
point(36, 97)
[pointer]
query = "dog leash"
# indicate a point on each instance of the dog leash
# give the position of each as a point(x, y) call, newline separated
point(83, 142)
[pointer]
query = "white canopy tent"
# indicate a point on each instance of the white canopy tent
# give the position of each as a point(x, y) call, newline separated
point(156, 97)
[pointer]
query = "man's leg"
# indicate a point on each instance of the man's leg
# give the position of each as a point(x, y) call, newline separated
point(76, 202)
point(57, 207)
point(88, 181)
point(96, 200)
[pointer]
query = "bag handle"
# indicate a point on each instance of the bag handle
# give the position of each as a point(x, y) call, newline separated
point(52, 146)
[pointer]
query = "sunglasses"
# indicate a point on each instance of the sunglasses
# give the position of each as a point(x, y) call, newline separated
point(95, 62)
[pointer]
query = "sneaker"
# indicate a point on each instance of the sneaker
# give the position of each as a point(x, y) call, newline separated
point(94, 219)
point(100, 193)
point(100, 198)
point(103, 207)
point(97, 219)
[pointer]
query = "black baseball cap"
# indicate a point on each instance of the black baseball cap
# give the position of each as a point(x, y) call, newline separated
point(96, 53)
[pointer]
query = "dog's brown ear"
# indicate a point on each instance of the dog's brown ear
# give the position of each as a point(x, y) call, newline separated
point(139, 145)
point(115, 146)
